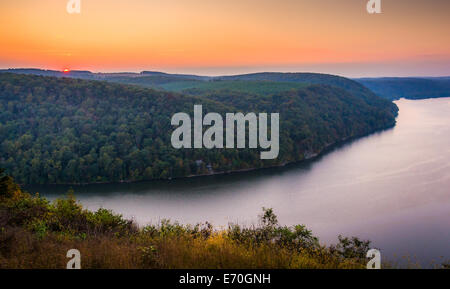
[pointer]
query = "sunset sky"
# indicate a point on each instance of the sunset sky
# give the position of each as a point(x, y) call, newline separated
point(410, 37)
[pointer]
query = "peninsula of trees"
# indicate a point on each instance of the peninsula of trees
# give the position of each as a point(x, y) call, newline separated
point(72, 131)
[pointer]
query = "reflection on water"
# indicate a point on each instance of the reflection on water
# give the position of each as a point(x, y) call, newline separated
point(392, 187)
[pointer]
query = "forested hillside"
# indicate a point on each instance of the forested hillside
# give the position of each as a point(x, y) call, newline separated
point(259, 83)
point(411, 88)
point(37, 233)
point(64, 130)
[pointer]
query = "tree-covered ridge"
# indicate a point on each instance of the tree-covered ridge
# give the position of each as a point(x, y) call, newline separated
point(62, 130)
point(308, 78)
point(265, 83)
point(182, 82)
point(410, 88)
point(36, 234)
point(387, 87)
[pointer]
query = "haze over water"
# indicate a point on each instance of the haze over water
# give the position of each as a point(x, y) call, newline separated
point(391, 187)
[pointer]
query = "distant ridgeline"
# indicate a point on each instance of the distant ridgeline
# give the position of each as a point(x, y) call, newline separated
point(71, 130)
point(391, 88)
point(411, 88)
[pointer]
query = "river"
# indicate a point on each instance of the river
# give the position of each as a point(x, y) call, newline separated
point(392, 187)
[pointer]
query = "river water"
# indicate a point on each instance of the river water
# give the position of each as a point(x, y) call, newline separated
point(392, 187)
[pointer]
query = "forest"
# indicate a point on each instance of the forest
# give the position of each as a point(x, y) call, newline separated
point(410, 88)
point(391, 88)
point(36, 234)
point(74, 131)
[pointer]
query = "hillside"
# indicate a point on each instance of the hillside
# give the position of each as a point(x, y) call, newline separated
point(410, 88)
point(309, 78)
point(391, 88)
point(64, 130)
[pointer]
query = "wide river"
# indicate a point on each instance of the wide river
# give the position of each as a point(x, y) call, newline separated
point(392, 187)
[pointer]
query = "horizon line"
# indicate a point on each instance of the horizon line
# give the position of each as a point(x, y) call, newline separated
point(215, 75)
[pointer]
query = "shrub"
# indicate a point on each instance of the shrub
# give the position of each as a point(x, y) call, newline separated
point(351, 248)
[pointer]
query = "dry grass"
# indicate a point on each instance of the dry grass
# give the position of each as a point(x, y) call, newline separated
point(25, 250)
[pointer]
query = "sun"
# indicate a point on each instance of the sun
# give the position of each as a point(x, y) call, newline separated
point(66, 70)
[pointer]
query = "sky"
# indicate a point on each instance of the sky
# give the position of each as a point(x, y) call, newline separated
point(214, 37)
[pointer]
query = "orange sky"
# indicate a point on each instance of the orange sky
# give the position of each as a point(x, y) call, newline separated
point(411, 37)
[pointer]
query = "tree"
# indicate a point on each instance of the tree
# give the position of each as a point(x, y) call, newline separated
point(7, 185)
point(89, 131)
